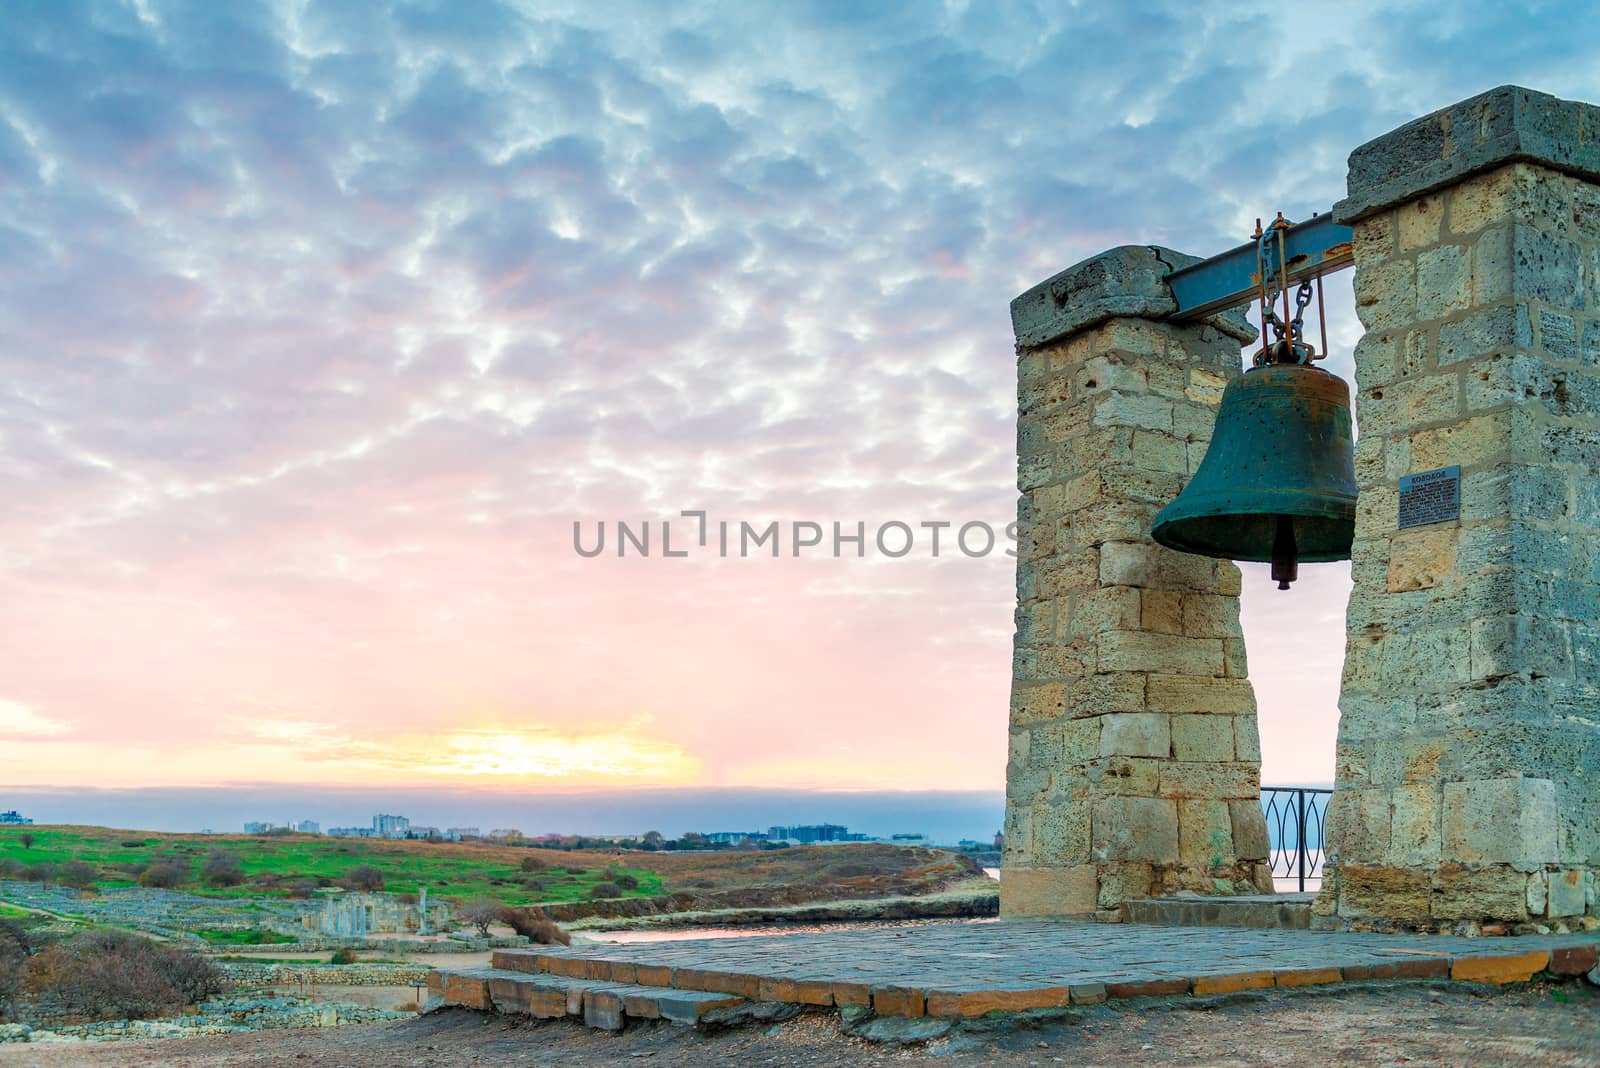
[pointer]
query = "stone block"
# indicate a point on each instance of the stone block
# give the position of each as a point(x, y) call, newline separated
point(1500, 330)
point(1135, 828)
point(1358, 823)
point(1121, 882)
point(1566, 893)
point(1414, 824)
point(898, 1001)
point(1099, 610)
point(1135, 734)
point(1205, 834)
point(1037, 702)
point(1483, 133)
point(1210, 615)
point(1444, 281)
point(1249, 826)
point(1060, 833)
point(1231, 984)
point(1122, 282)
point(1246, 739)
point(1148, 565)
point(1419, 223)
point(1233, 780)
point(1207, 738)
point(1059, 891)
point(1160, 610)
point(1096, 695)
point(1377, 890)
point(1500, 821)
point(1145, 651)
point(1190, 694)
point(1500, 968)
point(1493, 893)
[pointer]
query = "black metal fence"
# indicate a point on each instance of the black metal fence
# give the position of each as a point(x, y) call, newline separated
point(1296, 816)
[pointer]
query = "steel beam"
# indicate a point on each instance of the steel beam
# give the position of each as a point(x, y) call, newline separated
point(1227, 280)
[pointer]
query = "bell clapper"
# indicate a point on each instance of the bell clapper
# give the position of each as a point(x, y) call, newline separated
point(1285, 555)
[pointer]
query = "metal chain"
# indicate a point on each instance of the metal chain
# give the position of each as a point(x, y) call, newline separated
point(1293, 331)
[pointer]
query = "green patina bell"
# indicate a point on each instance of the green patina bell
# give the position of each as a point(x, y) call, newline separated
point(1278, 480)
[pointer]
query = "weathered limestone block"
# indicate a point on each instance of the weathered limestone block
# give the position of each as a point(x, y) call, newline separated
point(1134, 761)
point(1468, 746)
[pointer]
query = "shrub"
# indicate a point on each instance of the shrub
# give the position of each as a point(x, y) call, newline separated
point(533, 864)
point(534, 925)
point(40, 873)
point(302, 889)
point(222, 869)
point(626, 881)
point(602, 890)
point(535, 885)
point(342, 956)
point(77, 875)
point(165, 873)
point(15, 949)
point(106, 975)
point(26, 838)
point(480, 914)
point(364, 877)
point(137, 843)
point(10, 868)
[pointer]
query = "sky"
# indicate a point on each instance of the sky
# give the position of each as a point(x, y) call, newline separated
point(323, 323)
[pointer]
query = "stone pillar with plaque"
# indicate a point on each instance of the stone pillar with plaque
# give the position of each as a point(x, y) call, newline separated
point(1468, 764)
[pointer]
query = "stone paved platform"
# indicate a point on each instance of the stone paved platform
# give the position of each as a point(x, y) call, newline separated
point(971, 969)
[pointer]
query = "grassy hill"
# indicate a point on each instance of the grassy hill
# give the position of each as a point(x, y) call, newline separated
point(272, 864)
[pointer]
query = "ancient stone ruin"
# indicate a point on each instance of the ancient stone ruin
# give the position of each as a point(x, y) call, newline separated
point(1469, 740)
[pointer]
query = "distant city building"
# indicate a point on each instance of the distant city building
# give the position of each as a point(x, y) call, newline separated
point(350, 832)
point(308, 827)
point(14, 818)
point(723, 837)
point(455, 834)
point(423, 832)
point(386, 826)
point(257, 827)
point(509, 833)
point(999, 839)
point(812, 833)
point(908, 838)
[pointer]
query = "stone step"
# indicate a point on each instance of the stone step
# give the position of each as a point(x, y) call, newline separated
point(600, 1004)
point(1283, 912)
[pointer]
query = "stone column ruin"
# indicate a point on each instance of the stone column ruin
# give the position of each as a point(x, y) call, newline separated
point(1468, 764)
point(1134, 765)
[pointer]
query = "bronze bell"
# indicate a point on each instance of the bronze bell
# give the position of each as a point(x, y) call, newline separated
point(1278, 480)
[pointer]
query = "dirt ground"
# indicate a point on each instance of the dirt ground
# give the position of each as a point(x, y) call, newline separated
point(1368, 1026)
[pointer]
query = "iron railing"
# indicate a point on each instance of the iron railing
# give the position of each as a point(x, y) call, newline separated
point(1296, 816)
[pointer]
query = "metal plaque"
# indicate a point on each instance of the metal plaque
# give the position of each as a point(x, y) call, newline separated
point(1430, 497)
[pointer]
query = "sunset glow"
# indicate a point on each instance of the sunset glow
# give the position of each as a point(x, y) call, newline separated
point(325, 322)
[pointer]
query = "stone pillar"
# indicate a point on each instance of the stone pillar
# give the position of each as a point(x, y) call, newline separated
point(1134, 760)
point(1468, 772)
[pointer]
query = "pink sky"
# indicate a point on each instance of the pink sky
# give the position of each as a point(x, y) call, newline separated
point(324, 323)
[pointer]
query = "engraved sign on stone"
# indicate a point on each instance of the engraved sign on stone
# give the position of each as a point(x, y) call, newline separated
point(1430, 497)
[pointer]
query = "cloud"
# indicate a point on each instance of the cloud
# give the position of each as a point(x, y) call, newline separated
point(20, 720)
point(324, 321)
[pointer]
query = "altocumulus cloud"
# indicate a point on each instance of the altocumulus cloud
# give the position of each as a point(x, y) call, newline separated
point(324, 320)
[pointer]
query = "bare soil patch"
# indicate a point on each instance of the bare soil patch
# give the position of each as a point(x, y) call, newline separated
point(1357, 1026)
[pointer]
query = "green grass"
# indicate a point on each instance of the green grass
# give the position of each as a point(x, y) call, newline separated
point(11, 912)
point(458, 871)
point(244, 938)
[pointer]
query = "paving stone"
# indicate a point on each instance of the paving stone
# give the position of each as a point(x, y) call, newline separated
point(1513, 968)
point(969, 969)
